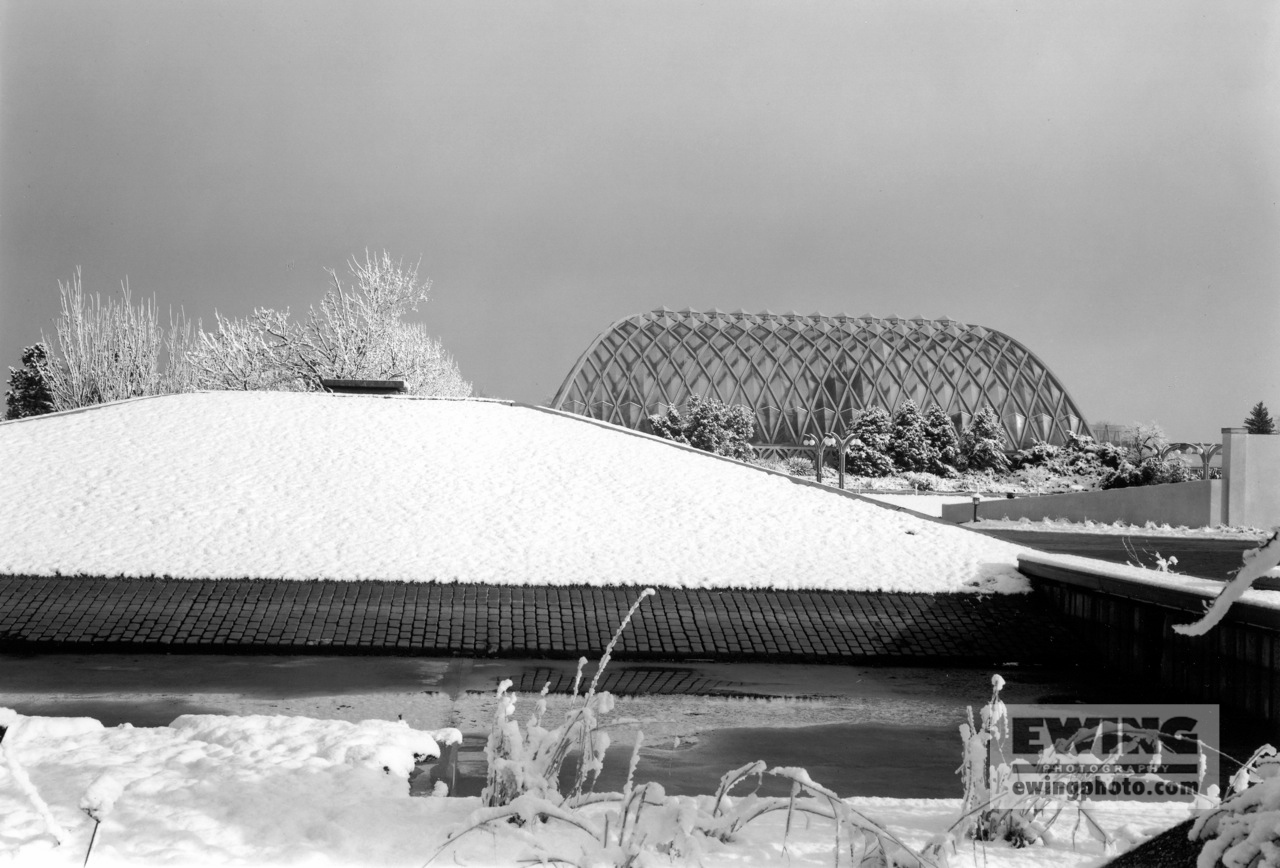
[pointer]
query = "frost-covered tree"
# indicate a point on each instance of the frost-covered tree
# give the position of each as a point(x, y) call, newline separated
point(357, 332)
point(1259, 420)
point(238, 355)
point(708, 425)
point(868, 452)
point(29, 393)
point(944, 446)
point(108, 350)
point(983, 444)
point(908, 445)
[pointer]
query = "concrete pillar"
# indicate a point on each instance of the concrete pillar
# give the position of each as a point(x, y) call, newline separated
point(1250, 478)
point(1235, 456)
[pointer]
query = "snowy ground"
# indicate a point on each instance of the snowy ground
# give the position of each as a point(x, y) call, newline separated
point(305, 486)
point(278, 790)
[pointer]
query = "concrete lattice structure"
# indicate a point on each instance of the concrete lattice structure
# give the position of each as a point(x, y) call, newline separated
point(808, 375)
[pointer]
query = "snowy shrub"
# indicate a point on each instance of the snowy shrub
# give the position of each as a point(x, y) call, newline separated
point(944, 446)
point(1244, 830)
point(1149, 471)
point(982, 446)
point(798, 465)
point(868, 452)
point(991, 810)
point(528, 762)
point(1037, 477)
point(920, 481)
point(1039, 455)
point(708, 425)
point(29, 393)
point(908, 445)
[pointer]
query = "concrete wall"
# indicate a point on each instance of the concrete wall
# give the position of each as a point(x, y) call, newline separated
point(1251, 471)
point(1130, 626)
point(1194, 504)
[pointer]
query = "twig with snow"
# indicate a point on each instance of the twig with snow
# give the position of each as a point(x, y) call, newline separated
point(1256, 563)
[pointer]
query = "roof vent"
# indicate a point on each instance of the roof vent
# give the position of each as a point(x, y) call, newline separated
point(364, 387)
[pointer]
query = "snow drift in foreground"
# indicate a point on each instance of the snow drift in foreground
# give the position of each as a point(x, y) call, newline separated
point(296, 791)
point(314, 486)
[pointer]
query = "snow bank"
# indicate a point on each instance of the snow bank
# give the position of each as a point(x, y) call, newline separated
point(314, 486)
point(214, 790)
point(217, 791)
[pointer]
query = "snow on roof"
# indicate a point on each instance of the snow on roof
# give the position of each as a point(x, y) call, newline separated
point(314, 486)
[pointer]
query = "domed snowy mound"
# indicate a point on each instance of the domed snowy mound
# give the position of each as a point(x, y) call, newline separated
point(314, 486)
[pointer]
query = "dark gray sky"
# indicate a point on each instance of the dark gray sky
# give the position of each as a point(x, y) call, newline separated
point(1100, 180)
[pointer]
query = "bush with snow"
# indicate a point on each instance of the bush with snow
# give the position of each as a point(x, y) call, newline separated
point(709, 425)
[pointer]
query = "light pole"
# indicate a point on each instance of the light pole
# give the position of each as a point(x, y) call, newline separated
point(820, 447)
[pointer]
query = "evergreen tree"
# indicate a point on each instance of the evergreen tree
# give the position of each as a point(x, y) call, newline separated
point(1259, 420)
point(29, 393)
point(908, 446)
point(710, 426)
point(868, 454)
point(944, 446)
point(982, 446)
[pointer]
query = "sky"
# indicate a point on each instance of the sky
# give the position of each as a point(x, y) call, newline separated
point(1099, 180)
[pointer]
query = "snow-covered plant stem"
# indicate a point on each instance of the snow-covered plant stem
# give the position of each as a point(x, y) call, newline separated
point(1256, 563)
point(9, 722)
point(529, 761)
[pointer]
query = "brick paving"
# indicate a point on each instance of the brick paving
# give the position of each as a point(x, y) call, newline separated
point(40, 614)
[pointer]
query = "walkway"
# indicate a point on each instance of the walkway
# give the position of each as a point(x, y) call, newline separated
point(43, 614)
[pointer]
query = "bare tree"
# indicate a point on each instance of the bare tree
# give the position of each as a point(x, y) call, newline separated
point(356, 332)
point(109, 350)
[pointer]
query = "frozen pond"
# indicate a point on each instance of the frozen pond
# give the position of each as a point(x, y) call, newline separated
point(877, 731)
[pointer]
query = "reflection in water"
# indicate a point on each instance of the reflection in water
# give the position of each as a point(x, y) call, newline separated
point(861, 730)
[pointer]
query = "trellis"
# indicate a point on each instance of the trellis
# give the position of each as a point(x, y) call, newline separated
point(809, 375)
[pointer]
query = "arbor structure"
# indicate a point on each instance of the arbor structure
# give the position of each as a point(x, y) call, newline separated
point(808, 375)
point(1259, 420)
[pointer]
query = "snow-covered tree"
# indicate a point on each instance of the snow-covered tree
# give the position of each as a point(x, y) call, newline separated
point(944, 446)
point(983, 444)
point(29, 393)
point(1259, 420)
point(868, 453)
point(355, 333)
point(708, 425)
point(908, 444)
point(238, 355)
point(110, 350)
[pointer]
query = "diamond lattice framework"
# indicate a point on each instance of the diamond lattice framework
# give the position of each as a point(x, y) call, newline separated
point(809, 375)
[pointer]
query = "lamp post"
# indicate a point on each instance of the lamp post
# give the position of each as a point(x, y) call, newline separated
point(820, 447)
point(976, 501)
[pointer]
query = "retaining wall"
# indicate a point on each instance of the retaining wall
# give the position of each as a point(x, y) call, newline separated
point(1129, 625)
point(1193, 504)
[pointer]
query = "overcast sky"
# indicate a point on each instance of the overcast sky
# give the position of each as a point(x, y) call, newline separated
point(1099, 180)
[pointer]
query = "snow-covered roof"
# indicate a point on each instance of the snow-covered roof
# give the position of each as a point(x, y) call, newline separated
point(316, 486)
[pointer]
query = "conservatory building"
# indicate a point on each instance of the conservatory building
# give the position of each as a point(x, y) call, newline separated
point(809, 375)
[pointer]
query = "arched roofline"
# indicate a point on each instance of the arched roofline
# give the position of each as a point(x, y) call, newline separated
point(1066, 404)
